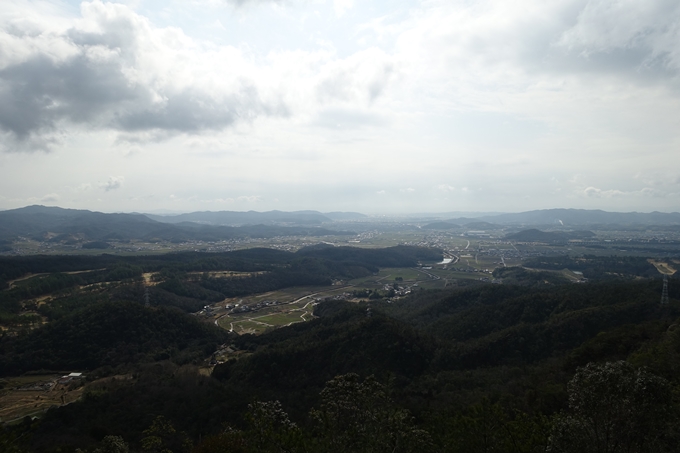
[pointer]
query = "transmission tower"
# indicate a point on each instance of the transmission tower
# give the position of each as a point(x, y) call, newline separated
point(664, 291)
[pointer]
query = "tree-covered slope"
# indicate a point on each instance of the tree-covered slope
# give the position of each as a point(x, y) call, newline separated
point(110, 333)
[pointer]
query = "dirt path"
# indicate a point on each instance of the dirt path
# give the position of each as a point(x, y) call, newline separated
point(663, 267)
point(29, 276)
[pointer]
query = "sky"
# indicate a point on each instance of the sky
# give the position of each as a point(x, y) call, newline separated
point(375, 106)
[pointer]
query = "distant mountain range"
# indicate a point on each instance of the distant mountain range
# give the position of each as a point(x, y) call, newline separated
point(583, 217)
point(236, 218)
point(73, 226)
point(559, 217)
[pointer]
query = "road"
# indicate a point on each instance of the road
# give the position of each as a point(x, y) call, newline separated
point(432, 276)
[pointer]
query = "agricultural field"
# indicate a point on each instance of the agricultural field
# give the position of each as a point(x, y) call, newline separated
point(32, 395)
point(291, 305)
point(272, 309)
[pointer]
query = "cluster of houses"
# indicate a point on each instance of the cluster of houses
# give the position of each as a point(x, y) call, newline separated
point(68, 378)
point(399, 290)
point(238, 308)
point(343, 296)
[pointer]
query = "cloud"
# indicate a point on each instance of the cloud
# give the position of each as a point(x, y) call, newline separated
point(50, 198)
point(361, 77)
point(644, 33)
point(342, 6)
point(250, 198)
point(343, 118)
point(494, 55)
point(114, 182)
point(651, 192)
point(132, 151)
point(112, 69)
point(251, 2)
point(407, 190)
point(593, 192)
point(445, 188)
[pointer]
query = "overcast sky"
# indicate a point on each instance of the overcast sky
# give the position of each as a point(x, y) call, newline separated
point(374, 106)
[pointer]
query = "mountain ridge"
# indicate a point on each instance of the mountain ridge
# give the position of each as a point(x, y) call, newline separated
point(44, 223)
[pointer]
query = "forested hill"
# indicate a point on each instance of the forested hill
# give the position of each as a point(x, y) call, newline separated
point(478, 368)
point(481, 366)
point(241, 260)
point(183, 278)
point(111, 334)
point(432, 332)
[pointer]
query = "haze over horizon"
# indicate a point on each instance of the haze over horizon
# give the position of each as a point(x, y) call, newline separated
point(375, 107)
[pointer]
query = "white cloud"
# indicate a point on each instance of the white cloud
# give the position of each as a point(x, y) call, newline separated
point(114, 182)
point(113, 69)
point(640, 27)
point(342, 6)
point(50, 198)
point(361, 77)
point(593, 192)
point(283, 100)
point(250, 198)
point(132, 151)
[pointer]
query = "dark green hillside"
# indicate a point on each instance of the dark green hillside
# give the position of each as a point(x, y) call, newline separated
point(182, 276)
point(487, 365)
point(597, 267)
point(248, 260)
point(311, 266)
point(290, 363)
point(110, 334)
point(481, 368)
point(193, 403)
point(495, 325)
point(526, 277)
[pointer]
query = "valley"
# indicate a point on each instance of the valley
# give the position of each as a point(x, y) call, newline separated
point(450, 329)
